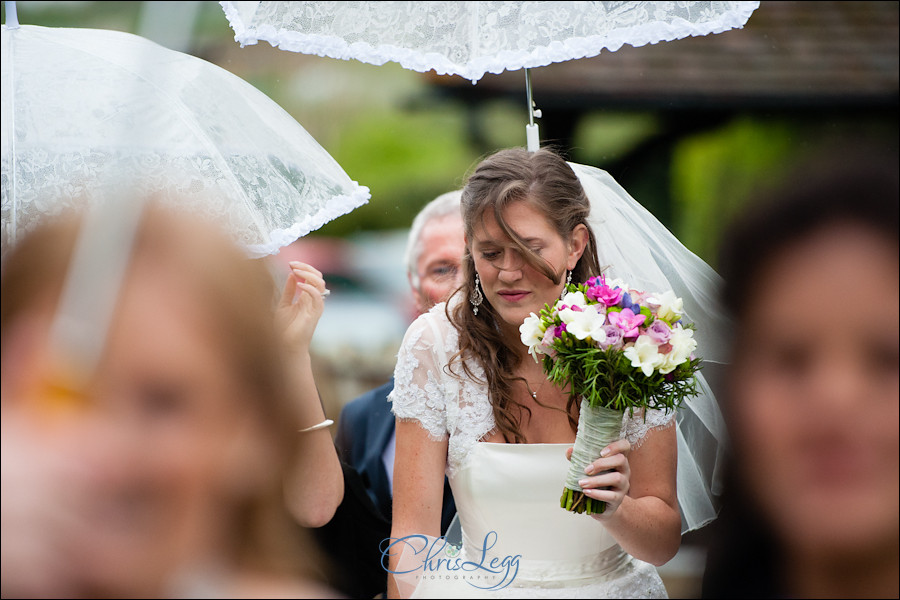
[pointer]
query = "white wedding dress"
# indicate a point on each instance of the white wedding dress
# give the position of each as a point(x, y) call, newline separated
point(517, 541)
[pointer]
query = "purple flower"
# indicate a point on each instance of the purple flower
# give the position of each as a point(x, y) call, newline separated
point(628, 302)
point(614, 338)
point(558, 331)
point(627, 321)
point(659, 331)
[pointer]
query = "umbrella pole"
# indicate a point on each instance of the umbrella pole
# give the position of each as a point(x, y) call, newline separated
point(91, 290)
point(532, 135)
point(12, 22)
point(12, 18)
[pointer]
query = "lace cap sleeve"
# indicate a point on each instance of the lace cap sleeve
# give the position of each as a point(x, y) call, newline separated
point(636, 427)
point(420, 392)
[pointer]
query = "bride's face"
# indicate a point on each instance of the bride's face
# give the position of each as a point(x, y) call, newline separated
point(513, 287)
point(815, 393)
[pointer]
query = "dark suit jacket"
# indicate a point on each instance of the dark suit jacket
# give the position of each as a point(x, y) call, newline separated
point(353, 537)
point(352, 542)
point(364, 429)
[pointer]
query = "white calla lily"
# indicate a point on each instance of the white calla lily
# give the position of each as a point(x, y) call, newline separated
point(671, 307)
point(644, 354)
point(574, 299)
point(588, 325)
point(531, 332)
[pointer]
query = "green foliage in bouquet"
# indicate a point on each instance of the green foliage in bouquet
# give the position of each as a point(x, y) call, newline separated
point(618, 350)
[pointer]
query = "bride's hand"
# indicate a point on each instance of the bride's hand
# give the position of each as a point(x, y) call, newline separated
point(612, 486)
point(297, 318)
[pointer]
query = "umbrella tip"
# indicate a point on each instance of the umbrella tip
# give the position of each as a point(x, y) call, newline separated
point(532, 137)
point(12, 19)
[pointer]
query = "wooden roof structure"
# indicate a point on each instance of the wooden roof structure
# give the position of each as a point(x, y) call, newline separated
point(790, 54)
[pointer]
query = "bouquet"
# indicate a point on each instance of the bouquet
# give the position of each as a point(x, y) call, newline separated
point(618, 350)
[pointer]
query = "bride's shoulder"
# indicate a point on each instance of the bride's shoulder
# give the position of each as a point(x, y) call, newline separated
point(431, 329)
point(436, 319)
point(439, 314)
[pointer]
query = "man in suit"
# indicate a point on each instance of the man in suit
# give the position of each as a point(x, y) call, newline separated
point(365, 434)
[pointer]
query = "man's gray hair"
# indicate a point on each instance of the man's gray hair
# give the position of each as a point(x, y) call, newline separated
point(442, 206)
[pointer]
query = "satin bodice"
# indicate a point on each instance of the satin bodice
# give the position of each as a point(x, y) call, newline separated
point(514, 490)
point(524, 544)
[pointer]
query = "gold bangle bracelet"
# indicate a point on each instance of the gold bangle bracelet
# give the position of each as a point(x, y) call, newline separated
point(322, 425)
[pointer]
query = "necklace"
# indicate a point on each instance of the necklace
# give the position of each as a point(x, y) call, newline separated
point(531, 391)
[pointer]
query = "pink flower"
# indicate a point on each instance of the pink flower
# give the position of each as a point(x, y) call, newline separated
point(638, 297)
point(574, 307)
point(627, 321)
point(547, 342)
point(605, 294)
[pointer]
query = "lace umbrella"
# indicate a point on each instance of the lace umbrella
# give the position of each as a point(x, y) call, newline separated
point(473, 38)
point(84, 108)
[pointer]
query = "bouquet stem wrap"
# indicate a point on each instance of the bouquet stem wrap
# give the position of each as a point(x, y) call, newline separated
point(597, 428)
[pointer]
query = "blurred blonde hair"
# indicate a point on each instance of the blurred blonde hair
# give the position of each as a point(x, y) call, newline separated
point(239, 295)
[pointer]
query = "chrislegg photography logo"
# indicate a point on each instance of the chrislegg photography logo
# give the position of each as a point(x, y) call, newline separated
point(423, 557)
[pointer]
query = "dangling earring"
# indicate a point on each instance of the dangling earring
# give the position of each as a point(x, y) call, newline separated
point(566, 288)
point(475, 297)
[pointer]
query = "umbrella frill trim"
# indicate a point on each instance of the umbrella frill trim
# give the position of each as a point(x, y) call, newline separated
point(336, 207)
point(236, 22)
point(507, 60)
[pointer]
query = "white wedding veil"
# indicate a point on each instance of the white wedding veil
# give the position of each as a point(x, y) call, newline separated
point(634, 246)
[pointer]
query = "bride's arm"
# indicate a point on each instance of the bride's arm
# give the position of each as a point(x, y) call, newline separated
point(420, 457)
point(419, 464)
point(642, 514)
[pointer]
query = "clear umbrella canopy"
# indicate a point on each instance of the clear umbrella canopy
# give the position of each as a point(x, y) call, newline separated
point(471, 39)
point(86, 109)
point(109, 119)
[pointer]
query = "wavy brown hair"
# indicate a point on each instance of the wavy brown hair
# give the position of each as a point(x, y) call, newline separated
point(546, 182)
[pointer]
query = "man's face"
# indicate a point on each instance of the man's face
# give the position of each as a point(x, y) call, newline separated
point(438, 266)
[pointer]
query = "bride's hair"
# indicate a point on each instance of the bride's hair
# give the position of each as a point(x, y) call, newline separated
point(545, 181)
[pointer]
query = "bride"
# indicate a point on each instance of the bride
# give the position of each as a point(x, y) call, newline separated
point(470, 402)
